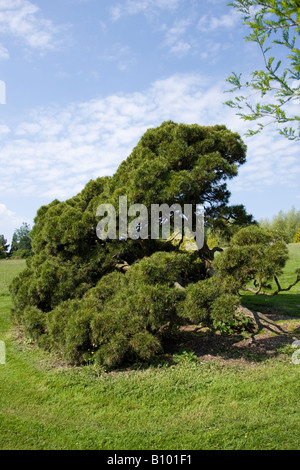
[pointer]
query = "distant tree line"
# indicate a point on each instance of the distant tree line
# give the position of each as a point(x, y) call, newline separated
point(20, 246)
point(284, 225)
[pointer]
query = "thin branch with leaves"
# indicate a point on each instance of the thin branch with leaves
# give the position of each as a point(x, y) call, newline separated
point(278, 84)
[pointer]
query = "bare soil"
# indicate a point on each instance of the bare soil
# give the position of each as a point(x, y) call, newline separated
point(272, 335)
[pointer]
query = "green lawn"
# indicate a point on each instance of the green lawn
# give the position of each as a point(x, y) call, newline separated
point(188, 406)
point(287, 303)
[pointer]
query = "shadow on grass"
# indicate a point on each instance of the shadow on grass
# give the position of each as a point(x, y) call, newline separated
point(284, 303)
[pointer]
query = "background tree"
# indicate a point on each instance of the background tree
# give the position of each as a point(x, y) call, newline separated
point(21, 241)
point(3, 246)
point(283, 225)
point(275, 27)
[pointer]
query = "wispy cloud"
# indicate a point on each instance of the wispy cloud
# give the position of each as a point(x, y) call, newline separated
point(4, 130)
point(4, 54)
point(121, 54)
point(57, 150)
point(9, 219)
point(272, 162)
point(175, 37)
point(212, 50)
point(133, 7)
point(209, 23)
point(22, 19)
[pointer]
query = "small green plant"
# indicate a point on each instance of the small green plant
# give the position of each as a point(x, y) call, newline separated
point(238, 324)
point(89, 357)
point(185, 357)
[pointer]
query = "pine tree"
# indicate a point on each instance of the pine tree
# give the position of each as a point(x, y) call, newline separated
point(120, 299)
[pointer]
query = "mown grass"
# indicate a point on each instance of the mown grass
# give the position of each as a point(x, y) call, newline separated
point(187, 406)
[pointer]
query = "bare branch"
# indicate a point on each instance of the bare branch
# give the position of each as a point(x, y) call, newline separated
point(271, 294)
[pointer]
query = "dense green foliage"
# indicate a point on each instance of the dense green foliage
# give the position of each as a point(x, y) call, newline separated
point(120, 299)
point(254, 255)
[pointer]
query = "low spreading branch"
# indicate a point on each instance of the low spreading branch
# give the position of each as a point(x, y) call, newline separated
point(271, 294)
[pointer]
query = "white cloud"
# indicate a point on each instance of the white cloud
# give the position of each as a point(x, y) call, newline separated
point(212, 50)
point(272, 162)
point(121, 54)
point(4, 54)
point(209, 23)
point(178, 39)
point(57, 150)
point(174, 40)
point(133, 7)
point(22, 19)
point(9, 221)
point(6, 213)
point(4, 130)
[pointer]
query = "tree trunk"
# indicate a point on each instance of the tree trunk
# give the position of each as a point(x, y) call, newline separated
point(207, 255)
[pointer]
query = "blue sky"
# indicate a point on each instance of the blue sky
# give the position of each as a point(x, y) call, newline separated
point(86, 78)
